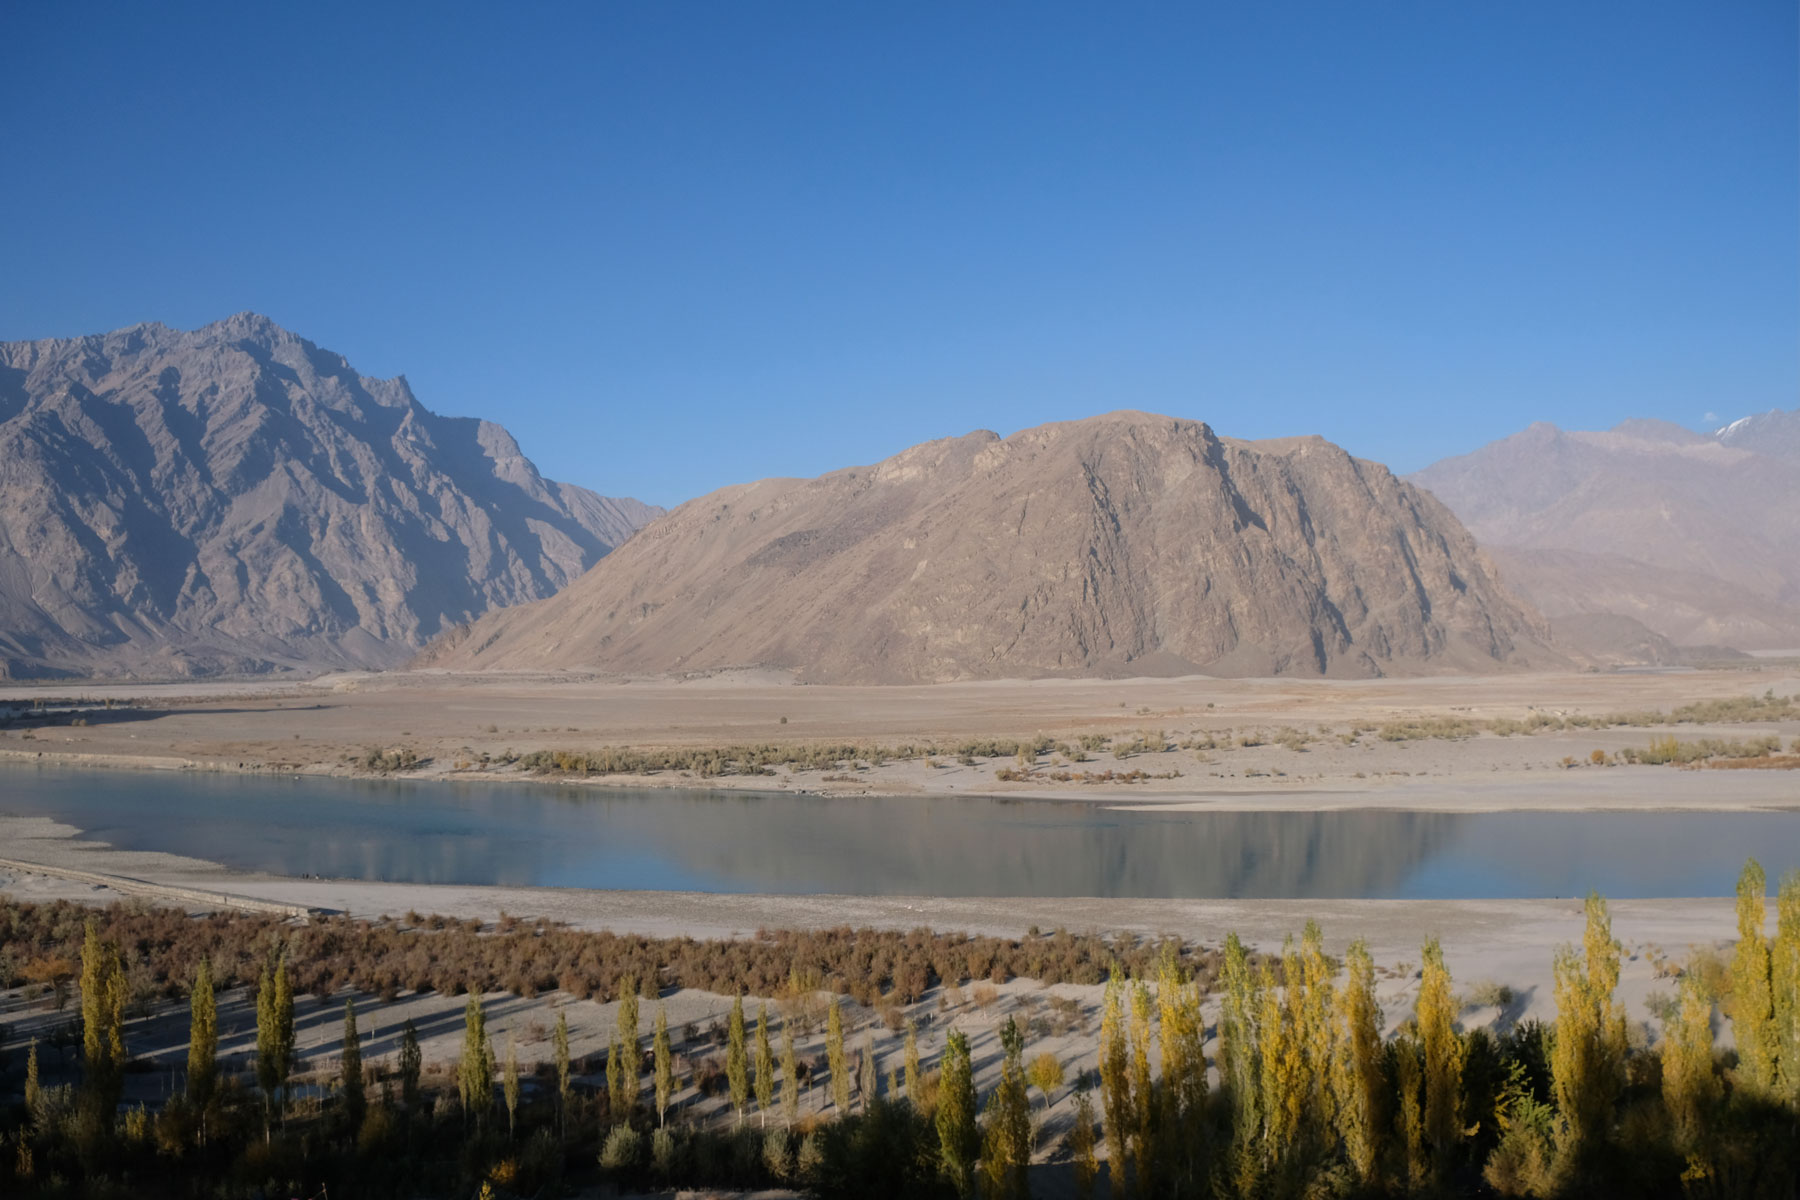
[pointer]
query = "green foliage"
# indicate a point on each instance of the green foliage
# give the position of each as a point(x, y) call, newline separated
point(103, 994)
point(764, 1065)
point(959, 1141)
point(203, 1039)
point(835, 1061)
point(790, 1075)
point(475, 1069)
point(410, 1063)
point(737, 1059)
point(274, 1031)
point(1752, 999)
point(664, 1065)
point(623, 1150)
point(560, 1041)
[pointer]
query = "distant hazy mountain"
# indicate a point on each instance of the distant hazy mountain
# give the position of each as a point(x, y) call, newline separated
point(236, 499)
point(1773, 432)
point(1695, 535)
point(1125, 544)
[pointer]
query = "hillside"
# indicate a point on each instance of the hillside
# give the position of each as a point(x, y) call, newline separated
point(1695, 535)
point(235, 499)
point(1127, 544)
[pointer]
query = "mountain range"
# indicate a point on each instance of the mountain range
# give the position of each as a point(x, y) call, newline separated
point(1694, 536)
point(1127, 544)
point(235, 499)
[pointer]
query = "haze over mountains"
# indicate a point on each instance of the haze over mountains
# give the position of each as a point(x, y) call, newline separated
point(236, 499)
point(1127, 544)
point(1695, 536)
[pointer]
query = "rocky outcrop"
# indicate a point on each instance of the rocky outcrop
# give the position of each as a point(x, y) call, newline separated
point(1127, 544)
point(236, 499)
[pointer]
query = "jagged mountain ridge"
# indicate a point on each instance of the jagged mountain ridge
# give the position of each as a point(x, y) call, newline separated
point(235, 499)
point(1695, 535)
point(1128, 544)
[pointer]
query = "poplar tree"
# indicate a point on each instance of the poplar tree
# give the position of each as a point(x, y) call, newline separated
point(790, 1075)
point(274, 1032)
point(1240, 1068)
point(868, 1075)
point(1144, 1106)
point(410, 1063)
point(912, 1067)
point(1081, 1147)
point(630, 1055)
point(509, 1085)
point(350, 1070)
point(1006, 1142)
point(1407, 1074)
point(615, 1080)
point(203, 1043)
point(1282, 1083)
point(1115, 1083)
point(1690, 1089)
point(34, 1093)
point(765, 1066)
point(1182, 1030)
point(474, 1074)
point(1784, 987)
point(1313, 1027)
point(834, 1057)
point(1587, 1053)
point(737, 1059)
point(1435, 1011)
point(665, 1067)
point(562, 1072)
point(1357, 1078)
point(102, 1025)
point(1752, 1009)
point(958, 1139)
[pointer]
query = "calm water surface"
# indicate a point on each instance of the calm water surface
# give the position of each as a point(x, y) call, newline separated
point(942, 845)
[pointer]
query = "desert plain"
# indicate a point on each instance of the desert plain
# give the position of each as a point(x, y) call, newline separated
point(1199, 743)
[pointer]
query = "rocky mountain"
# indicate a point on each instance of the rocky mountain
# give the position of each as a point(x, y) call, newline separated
point(236, 499)
point(1127, 544)
point(1696, 536)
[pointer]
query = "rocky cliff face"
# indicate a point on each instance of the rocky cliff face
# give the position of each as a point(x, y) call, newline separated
point(1695, 535)
point(1125, 544)
point(236, 499)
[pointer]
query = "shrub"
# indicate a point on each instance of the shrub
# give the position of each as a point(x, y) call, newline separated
point(623, 1148)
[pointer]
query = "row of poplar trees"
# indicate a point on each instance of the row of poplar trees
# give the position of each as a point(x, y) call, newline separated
point(1312, 1100)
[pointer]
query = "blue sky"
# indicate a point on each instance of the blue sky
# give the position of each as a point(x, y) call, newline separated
point(673, 246)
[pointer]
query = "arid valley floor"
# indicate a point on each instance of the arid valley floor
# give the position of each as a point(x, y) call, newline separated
point(1407, 744)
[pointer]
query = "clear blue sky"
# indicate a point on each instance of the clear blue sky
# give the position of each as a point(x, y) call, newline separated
point(676, 245)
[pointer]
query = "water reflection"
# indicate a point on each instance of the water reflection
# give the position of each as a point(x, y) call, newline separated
point(945, 846)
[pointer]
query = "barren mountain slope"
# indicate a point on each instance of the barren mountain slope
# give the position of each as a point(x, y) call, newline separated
point(235, 498)
point(1124, 544)
point(1695, 535)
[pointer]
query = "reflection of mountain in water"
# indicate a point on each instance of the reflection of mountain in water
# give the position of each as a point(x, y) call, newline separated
point(976, 846)
point(936, 846)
